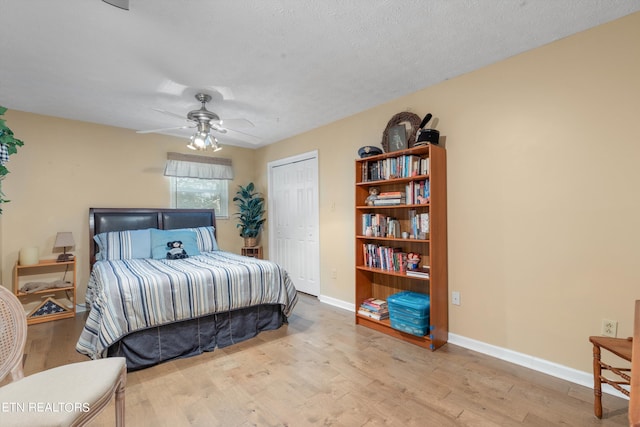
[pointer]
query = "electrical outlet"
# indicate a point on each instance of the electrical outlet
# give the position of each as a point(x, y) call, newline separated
point(455, 298)
point(334, 274)
point(609, 328)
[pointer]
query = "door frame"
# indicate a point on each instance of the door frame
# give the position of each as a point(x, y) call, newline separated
point(309, 155)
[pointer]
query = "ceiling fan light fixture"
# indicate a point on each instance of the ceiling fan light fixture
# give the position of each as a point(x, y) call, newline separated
point(205, 121)
point(202, 141)
point(216, 145)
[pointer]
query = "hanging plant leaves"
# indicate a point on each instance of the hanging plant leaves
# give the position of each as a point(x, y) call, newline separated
point(8, 146)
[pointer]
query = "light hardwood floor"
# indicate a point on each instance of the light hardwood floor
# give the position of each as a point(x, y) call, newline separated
point(322, 370)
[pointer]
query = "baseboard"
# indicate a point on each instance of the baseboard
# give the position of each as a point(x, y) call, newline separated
point(540, 365)
point(337, 303)
point(546, 367)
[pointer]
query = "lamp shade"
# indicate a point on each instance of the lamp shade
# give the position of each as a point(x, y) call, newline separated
point(64, 239)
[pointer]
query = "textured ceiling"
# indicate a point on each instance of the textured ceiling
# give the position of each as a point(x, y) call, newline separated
point(287, 66)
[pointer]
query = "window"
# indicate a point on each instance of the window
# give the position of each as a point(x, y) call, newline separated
point(196, 193)
point(199, 182)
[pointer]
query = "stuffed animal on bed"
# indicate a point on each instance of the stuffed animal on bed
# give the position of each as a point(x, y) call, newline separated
point(176, 250)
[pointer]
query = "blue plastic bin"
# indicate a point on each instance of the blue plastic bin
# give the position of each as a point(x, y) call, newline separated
point(409, 328)
point(409, 312)
point(409, 303)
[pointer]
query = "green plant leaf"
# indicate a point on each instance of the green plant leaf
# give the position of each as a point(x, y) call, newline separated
point(11, 143)
point(250, 211)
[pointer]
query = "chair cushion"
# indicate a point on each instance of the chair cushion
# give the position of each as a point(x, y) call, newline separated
point(58, 396)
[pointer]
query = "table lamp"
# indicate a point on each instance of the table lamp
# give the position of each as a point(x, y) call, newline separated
point(64, 240)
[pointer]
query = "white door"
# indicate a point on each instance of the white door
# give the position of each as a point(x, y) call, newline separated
point(294, 220)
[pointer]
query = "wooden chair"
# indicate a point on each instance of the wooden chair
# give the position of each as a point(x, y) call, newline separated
point(625, 379)
point(69, 395)
point(634, 398)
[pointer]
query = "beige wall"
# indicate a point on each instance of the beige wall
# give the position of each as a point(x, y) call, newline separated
point(543, 192)
point(66, 167)
point(543, 205)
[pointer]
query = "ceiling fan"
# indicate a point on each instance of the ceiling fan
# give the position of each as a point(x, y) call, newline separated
point(205, 121)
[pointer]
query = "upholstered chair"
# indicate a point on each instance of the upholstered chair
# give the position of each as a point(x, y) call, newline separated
point(69, 395)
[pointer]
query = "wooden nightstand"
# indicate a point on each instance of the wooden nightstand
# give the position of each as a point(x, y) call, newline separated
point(47, 304)
point(252, 251)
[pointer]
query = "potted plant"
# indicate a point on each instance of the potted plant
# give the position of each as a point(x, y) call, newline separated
point(251, 213)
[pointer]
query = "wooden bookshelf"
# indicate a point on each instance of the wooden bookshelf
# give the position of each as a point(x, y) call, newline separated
point(372, 281)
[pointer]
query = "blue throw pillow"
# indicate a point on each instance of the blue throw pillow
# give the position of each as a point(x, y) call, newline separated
point(160, 238)
point(141, 243)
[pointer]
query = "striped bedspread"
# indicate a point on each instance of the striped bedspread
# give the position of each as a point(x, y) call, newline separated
point(134, 294)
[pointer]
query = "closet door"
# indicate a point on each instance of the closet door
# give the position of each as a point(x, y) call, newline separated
point(293, 219)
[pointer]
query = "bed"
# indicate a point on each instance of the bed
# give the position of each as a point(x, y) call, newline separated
point(150, 309)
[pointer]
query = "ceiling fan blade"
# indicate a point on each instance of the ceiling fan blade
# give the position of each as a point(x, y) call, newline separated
point(169, 113)
point(241, 136)
point(237, 123)
point(206, 120)
point(122, 4)
point(164, 129)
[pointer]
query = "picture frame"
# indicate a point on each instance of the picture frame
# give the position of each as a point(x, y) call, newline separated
point(397, 138)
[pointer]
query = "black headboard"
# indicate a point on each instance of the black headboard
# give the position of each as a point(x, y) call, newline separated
point(102, 220)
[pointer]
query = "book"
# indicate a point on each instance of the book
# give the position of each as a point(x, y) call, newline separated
point(412, 273)
point(384, 257)
point(378, 313)
point(391, 195)
point(375, 302)
point(389, 202)
point(373, 315)
point(422, 272)
point(374, 309)
point(424, 166)
point(376, 222)
point(424, 223)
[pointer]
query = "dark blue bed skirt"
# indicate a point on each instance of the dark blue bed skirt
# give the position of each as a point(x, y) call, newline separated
point(149, 347)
